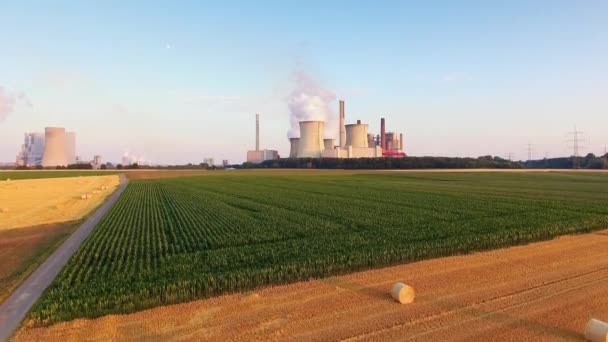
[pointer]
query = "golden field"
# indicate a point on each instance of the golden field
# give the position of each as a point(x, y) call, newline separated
point(33, 202)
point(37, 215)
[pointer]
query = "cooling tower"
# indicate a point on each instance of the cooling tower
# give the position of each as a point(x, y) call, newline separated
point(342, 130)
point(328, 144)
point(356, 135)
point(389, 141)
point(311, 139)
point(55, 148)
point(70, 144)
point(293, 152)
point(401, 142)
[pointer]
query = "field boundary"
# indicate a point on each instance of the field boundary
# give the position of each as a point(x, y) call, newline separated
point(17, 305)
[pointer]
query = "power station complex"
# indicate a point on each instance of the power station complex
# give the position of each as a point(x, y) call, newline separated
point(355, 141)
point(55, 148)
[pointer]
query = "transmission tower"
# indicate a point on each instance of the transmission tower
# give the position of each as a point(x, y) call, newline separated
point(529, 151)
point(576, 146)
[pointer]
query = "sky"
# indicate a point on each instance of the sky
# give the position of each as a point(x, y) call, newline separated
point(180, 81)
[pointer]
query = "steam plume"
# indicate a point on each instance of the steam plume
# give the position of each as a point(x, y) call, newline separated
point(8, 102)
point(310, 101)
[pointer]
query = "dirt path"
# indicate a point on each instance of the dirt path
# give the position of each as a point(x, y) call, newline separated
point(545, 291)
point(14, 309)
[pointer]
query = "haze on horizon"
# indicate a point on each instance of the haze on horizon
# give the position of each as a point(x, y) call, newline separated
point(178, 82)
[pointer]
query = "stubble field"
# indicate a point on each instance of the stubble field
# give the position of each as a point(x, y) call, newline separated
point(174, 240)
point(36, 215)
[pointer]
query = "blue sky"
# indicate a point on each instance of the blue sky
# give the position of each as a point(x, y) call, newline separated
point(178, 81)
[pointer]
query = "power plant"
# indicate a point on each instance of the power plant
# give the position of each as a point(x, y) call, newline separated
point(32, 150)
point(354, 141)
point(257, 156)
point(55, 147)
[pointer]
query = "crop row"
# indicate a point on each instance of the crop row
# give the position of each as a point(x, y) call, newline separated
point(174, 240)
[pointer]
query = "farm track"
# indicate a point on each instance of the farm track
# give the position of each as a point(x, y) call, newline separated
point(545, 291)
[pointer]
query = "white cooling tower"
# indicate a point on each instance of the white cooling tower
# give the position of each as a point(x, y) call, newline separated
point(293, 152)
point(328, 144)
point(311, 139)
point(70, 143)
point(356, 135)
point(55, 148)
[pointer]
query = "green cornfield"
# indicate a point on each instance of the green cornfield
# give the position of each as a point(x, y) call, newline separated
point(174, 240)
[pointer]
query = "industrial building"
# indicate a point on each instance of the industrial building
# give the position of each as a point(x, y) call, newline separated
point(32, 150)
point(257, 156)
point(355, 141)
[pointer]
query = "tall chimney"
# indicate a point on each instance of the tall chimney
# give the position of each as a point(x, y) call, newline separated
point(383, 134)
point(401, 141)
point(257, 132)
point(342, 129)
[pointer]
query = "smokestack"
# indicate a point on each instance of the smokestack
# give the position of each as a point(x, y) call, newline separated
point(342, 129)
point(358, 122)
point(401, 141)
point(257, 132)
point(383, 134)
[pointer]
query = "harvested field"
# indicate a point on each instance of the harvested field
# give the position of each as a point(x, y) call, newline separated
point(175, 240)
point(545, 291)
point(33, 202)
point(41, 214)
point(23, 249)
point(40, 174)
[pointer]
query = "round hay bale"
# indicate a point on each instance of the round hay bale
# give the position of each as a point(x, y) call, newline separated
point(403, 294)
point(89, 196)
point(83, 197)
point(596, 331)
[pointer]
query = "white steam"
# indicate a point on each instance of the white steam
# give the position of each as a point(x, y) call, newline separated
point(310, 101)
point(8, 102)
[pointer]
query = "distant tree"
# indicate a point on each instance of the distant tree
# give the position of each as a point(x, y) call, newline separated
point(103, 167)
point(39, 167)
point(119, 166)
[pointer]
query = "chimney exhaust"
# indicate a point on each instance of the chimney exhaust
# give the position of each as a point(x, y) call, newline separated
point(342, 130)
point(257, 132)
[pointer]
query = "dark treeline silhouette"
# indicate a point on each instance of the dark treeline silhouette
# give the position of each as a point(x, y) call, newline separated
point(590, 161)
point(484, 162)
point(390, 163)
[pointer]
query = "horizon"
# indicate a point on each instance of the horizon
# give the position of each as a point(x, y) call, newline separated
point(177, 83)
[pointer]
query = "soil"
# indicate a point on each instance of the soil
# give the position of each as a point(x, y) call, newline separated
point(545, 291)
